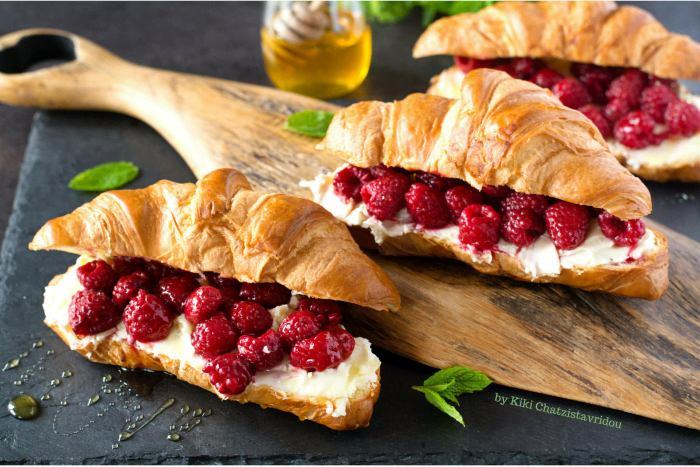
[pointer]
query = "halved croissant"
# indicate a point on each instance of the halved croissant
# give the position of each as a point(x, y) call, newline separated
point(221, 225)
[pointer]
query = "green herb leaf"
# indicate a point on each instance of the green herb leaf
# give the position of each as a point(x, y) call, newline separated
point(105, 177)
point(450, 383)
point(309, 122)
point(387, 12)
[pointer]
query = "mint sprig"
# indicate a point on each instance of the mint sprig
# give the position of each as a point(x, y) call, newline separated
point(105, 177)
point(309, 122)
point(450, 383)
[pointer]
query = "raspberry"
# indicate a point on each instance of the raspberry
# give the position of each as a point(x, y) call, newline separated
point(654, 80)
point(264, 352)
point(436, 182)
point(521, 226)
point(381, 170)
point(427, 206)
point(635, 129)
point(460, 197)
point(627, 87)
point(655, 100)
point(327, 311)
point(467, 64)
point(615, 110)
point(92, 312)
point(497, 192)
point(97, 275)
point(546, 78)
point(251, 318)
point(268, 294)
point(595, 115)
point(525, 67)
point(538, 203)
point(214, 336)
point(572, 93)
point(348, 182)
point(317, 353)
point(579, 69)
point(202, 303)
point(657, 138)
point(623, 233)
point(128, 287)
point(156, 271)
point(682, 118)
point(596, 80)
point(567, 224)
point(507, 68)
point(479, 225)
point(347, 342)
point(147, 319)
point(384, 196)
point(229, 297)
point(125, 265)
point(230, 373)
point(215, 280)
point(174, 291)
point(298, 326)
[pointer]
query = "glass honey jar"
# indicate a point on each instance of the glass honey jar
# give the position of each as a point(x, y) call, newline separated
point(319, 49)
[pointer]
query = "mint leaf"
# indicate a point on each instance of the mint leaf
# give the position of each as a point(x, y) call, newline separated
point(105, 177)
point(435, 399)
point(387, 12)
point(309, 122)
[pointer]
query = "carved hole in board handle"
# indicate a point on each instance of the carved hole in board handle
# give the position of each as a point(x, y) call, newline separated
point(30, 51)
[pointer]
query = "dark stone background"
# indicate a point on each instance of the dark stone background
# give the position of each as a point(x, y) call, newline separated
point(221, 39)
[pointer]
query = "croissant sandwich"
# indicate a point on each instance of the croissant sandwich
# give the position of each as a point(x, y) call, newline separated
point(227, 288)
point(618, 66)
point(506, 179)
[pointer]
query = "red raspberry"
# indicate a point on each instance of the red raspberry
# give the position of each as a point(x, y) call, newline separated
point(655, 100)
point(128, 287)
point(538, 203)
point(682, 118)
point(229, 297)
point(497, 192)
point(327, 311)
point(615, 110)
point(671, 83)
point(381, 170)
point(264, 352)
point(525, 67)
point(595, 115)
point(125, 265)
point(521, 226)
point(202, 303)
point(623, 233)
point(230, 373)
point(215, 280)
point(627, 87)
point(174, 291)
point(347, 342)
point(214, 336)
point(156, 271)
point(546, 78)
point(657, 138)
point(596, 80)
point(572, 93)
point(384, 196)
point(507, 68)
point(251, 318)
point(635, 129)
point(92, 312)
point(317, 353)
point(298, 326)
point(436, 182)
point(567, 224)
point(97, 275)
point(147, 319)
point(467, 64)
point(348, 182)
point(460, 197)
point(268, 294)
point(479, 225)
point(427, 206)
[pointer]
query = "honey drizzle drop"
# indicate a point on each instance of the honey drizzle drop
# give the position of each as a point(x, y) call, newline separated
point(124, 435)
point(24, 407)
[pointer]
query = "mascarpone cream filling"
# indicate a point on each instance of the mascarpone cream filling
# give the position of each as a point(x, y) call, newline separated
point(539, 259)
point(335, 385)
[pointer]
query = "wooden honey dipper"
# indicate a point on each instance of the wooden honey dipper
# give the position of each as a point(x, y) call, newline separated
point(301, 22)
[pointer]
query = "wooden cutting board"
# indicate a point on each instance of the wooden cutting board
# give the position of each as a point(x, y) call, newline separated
point(627, 354)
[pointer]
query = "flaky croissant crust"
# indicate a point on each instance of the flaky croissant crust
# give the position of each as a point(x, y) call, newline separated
point(222, 225)
point(587, 32)
point(502, 131)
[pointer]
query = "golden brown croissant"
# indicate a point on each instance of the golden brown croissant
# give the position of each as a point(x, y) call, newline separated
point(221, 225)
point(502, 131)
point(589, 32)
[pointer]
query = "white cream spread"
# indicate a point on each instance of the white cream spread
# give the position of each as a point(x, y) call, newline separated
point(336, 385)
point(541, 258)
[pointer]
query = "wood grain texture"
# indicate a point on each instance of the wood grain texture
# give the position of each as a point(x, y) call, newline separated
point(628, 354)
